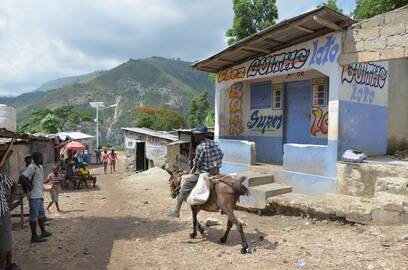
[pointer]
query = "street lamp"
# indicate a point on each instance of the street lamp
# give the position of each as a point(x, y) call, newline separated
point(99, 106)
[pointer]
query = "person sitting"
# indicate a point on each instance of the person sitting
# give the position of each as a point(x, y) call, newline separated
point(86, 174)
point(208, 159)
point(72, 176)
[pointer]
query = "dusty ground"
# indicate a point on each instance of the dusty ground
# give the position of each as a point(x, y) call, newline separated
point(120, 225)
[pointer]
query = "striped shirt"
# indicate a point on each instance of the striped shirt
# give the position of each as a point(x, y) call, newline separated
point(208, 155)
point(5, 183)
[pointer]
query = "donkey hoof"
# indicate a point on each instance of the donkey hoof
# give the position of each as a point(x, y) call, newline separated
point(223, 240)
point(193, 235)
point(244, 250)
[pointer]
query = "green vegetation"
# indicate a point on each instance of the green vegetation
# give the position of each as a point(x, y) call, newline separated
point(210, 119)
point(198, 109)
point(158, 82)
point(369, 8)
point(251, 16)
point(158, 119)
point(53, 121)
point(331, 4)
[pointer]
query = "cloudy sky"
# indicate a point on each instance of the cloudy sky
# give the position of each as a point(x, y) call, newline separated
point(41, 40)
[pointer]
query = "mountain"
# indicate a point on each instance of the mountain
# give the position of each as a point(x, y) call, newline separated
point(154, 81)
point(54, 84)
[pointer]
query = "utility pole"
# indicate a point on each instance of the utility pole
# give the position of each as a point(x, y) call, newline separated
point(99, 106)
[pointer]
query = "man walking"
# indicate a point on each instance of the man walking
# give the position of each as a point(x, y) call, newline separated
point(6, 258)
point(34, 174)
point(208, 159)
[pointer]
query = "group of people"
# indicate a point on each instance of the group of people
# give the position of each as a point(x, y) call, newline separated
point(107, 159)
point(78, 174)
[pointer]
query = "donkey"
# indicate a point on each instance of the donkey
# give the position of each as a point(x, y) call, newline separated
point(224, 194)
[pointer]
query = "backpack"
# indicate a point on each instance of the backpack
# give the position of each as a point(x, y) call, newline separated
point(27, 183)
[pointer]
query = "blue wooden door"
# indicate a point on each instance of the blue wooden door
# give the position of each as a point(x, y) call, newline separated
point(298, 100)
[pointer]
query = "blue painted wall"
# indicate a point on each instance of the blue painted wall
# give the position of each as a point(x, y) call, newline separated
point(268, 149)
point(363, 126)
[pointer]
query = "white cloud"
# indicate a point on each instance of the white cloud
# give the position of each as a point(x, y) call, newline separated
point(45, 39)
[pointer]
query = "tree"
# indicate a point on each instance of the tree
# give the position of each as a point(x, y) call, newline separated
point(332, 4)
point(210, 119)
point(158, 119)
point(198, 109)
point(368, 8)
point(53, 121)
point(251, 16)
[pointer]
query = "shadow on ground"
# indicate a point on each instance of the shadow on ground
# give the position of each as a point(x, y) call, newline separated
point(74, 242)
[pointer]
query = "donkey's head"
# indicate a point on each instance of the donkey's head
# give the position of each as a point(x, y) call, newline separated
point(175, 182)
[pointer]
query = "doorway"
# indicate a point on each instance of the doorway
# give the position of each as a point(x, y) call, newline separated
point(140, 156)
point(298, 98)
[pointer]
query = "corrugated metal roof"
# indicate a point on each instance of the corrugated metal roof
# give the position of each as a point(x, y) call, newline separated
point(289, 32)
point(153, 133)
point(73, 135)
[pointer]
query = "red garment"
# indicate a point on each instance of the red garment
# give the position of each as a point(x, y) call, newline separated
point(112, 156)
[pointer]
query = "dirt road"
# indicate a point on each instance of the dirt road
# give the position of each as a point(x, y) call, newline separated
point(120, 225)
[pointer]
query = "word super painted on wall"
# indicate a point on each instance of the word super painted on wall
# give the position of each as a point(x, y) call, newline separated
point(265, 122)
point(235, 108)
point(365, 79)
point(320, 121)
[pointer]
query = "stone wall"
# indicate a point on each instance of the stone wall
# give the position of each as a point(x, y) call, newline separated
point(383, 37)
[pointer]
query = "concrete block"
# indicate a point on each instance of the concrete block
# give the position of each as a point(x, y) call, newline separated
point(375, 44)
point(368, 56)
point(368, 33)
point(384, 217)
point(396, 17)
point(259, 195)
point(359, 216)
point(256, 179)
point(392, 53)
point(348, 58)
point(373, 22)
point(390, 30)
point(397, 40)
point(394, 185)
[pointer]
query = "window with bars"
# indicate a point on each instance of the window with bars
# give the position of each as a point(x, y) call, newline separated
point(277, 95)
point(320, 93)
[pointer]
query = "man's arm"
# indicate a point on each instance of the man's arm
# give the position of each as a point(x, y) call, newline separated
point(198, 159)
point(13, 192)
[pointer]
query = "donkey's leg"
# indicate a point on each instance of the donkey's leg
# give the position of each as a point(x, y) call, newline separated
point(224, 238)
point(194, 211)
point(240, 229)
point(200, 229)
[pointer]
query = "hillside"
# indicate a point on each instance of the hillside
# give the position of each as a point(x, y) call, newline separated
point(153, 81)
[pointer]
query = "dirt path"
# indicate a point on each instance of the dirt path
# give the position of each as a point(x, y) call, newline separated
point(120, 225)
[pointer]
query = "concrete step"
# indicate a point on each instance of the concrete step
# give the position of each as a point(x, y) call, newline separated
point(393, 185)
point(259, 195)
point(257, 179)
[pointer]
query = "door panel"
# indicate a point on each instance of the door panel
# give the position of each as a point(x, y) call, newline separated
point(298, 97)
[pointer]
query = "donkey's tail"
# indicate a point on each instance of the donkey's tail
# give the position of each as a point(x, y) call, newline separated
point(242, 190)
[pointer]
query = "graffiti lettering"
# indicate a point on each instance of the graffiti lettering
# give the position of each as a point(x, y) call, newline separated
point(231, 74)
point(320, 121)
point(326, 53)
point(365, 74)
point(364, 95)
point(235, 108)
point(265, 122)
point(278, 63)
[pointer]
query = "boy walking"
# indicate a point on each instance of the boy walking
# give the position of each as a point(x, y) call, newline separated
point(55, 180)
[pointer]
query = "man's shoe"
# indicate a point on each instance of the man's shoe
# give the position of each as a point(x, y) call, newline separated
point(45, 234)
point(38, 240)
point(12, 266)
point(173, 214)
